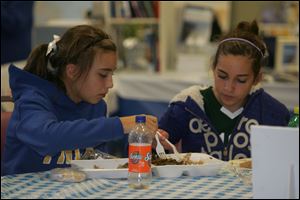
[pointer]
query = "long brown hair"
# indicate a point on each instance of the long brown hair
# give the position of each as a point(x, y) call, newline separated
point(247, 31)
point(77, 46)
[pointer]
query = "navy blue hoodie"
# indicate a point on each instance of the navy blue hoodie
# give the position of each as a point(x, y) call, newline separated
point(48, 129)
point(186, 120)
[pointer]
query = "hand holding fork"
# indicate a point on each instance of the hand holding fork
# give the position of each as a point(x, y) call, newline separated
point(161, 151)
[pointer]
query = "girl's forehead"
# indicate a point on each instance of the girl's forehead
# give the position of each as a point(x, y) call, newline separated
point(105, 60)
point(232, 60)
point(234, 63)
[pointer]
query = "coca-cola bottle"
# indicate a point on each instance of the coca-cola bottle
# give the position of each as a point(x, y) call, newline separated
point(139, 155)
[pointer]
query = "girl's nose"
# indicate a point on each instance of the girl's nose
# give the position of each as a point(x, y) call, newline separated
point(109, 82)
point(229, 86)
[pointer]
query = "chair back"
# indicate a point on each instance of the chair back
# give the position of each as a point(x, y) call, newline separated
point(5, 117)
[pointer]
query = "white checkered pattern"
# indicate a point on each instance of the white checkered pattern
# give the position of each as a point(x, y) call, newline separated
point(38, 185)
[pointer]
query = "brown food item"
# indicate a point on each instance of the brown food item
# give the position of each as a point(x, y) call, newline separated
point(157, 161)
point(97, 167)
point(67, 175)
point(246, 164)
point(125, 165)
point(168, 161)
point(243, 163)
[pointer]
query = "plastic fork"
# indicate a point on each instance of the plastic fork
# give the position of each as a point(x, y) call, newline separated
point(160, 149)
point(177, 154)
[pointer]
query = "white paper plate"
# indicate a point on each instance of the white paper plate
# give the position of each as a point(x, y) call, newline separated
point(107, 168)
point(210, 167)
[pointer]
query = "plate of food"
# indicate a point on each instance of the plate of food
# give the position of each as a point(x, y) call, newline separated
point(103, 168)
point(192, 164)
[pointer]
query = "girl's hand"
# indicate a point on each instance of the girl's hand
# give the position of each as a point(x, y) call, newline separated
point(129, 123)
point(162, 137)
point(152, 124)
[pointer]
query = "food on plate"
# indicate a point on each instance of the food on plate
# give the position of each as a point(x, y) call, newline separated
point(246, 164)
point(125, 165)
point(67, 175)
point(167, 161)
point(97, 167)
point(121, 166)
point(186, 160)
point(243, 163)
point(192, 164)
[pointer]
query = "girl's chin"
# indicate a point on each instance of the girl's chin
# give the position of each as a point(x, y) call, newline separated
point(95, 101)
point(227, 103)
point(227, 98)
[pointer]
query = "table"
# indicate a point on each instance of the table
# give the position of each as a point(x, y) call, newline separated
point(38, 185)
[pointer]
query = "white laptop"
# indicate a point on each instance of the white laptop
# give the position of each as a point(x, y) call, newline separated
point(275, 162)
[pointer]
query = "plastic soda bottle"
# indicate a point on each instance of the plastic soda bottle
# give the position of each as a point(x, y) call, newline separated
point(294, 121)
point(139, 155)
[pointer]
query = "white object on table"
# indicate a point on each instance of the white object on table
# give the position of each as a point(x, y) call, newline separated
point(159, 148)
point(178, 157)
point(275, 162)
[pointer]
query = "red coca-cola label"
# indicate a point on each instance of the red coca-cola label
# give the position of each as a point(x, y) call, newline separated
point(139, 158)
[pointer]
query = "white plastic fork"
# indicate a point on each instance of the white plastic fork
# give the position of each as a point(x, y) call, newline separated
point(160, 149)
point(177, 154)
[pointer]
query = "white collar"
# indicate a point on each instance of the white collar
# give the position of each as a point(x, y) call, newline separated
point(230, 114)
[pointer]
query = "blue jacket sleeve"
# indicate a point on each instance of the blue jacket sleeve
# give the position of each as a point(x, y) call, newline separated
point(274, 112)
point(40, 128)
point(173, 122)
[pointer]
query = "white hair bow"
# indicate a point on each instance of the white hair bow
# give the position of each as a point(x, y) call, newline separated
point(52, 44)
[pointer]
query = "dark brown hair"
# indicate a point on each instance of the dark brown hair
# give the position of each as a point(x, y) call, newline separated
point(77, 46)
point(247, 31)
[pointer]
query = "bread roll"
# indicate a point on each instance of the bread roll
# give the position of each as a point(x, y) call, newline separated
point(243, 163)
point(67, 175)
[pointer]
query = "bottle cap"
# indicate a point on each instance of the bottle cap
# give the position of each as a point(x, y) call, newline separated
point(140, 119)
point(296, 110)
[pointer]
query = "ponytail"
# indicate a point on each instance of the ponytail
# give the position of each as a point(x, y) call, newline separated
point(77, 46)
point(37, 62)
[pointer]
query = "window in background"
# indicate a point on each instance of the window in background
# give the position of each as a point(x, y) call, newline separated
point(287, 54)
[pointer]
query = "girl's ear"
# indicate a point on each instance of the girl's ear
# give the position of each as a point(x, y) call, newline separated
point(71, 71)
point(258, 78)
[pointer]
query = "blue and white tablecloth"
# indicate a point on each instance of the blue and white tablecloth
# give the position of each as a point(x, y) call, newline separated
point(38, 185)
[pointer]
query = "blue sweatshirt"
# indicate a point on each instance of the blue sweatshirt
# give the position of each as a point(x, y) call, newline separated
point(185, 120)
point(48, 129)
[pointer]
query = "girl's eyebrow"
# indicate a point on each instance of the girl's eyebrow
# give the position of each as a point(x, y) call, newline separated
point(106, 69)
point(220, 70)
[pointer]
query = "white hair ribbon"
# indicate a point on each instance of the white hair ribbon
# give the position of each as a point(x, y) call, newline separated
point(52, 44)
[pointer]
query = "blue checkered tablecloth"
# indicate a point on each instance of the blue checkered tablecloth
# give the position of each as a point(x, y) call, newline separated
point(39, 185)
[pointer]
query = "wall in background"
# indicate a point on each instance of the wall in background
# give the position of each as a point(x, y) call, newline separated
point(51, 17)
point(46, 10)
point(250, 10)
